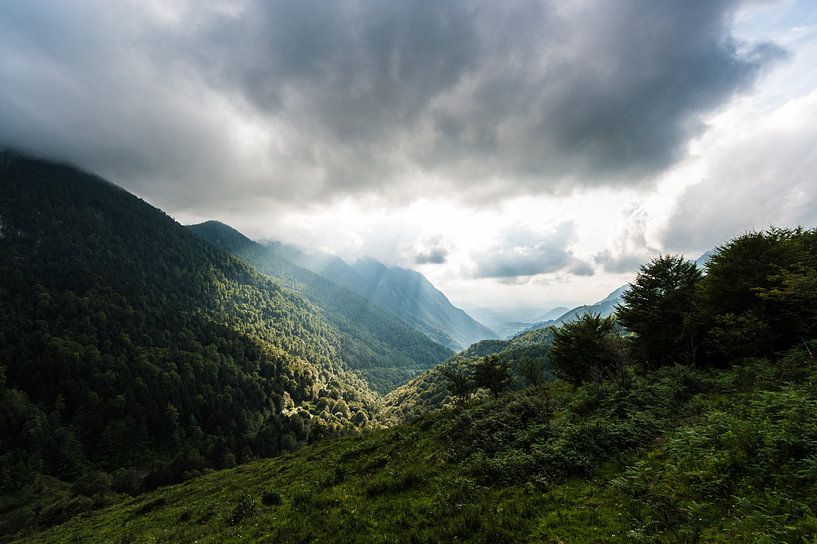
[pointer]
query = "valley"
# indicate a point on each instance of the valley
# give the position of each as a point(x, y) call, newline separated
point(162, 383)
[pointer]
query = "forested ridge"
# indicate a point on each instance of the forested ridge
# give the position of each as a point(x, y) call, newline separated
point(400, 291)
point(379, 345)
point(430, 390)
point(134, 354)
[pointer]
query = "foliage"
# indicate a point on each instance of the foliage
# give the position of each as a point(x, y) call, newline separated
point(587, 349)
point(656, 308)
point(678, 455)
point(492, 374)
point(761, 283)
point(460, 384)
point(126, 342)
point(430, 390)
point(271, 497)
point(244, 508)
point(378, 345)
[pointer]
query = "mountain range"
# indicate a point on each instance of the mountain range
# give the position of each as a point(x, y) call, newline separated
point(380, 346)
point(136, 353)
point(129, 343)
point(404, 292)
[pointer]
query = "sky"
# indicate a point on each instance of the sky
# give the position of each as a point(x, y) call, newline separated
point(520, 154)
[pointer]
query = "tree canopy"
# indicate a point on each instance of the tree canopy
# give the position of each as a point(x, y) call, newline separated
point(657, 307)
point(587, 349)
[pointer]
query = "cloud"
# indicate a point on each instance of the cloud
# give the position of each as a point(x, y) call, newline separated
point(763, 175)
point(521, 253)
point(435, 255)
point(581, 268)
point(630, 247)
point(202, 107)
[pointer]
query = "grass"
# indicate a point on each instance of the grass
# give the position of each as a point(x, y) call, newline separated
point(680, 456)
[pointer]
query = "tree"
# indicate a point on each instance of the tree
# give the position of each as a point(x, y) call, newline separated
point(658, 309)
point(758, 293)
point(533, 370)
point(587, 349)
point(459, 384)
point(492, 374)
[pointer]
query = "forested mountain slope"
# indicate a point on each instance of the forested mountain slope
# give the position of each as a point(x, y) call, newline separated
point(129, 343)
point(697, 425)
point(382, 348)
point(406, 293)
point(430, 392)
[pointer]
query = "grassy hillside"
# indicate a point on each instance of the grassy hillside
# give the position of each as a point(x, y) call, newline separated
point(377, 345)
point(675, 455)
point(134, 353)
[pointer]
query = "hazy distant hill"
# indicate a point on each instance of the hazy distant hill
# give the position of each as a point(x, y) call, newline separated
point(555, 313)
point(382, 348)
point(604, 307)
point(508, 324)
point(407, 293)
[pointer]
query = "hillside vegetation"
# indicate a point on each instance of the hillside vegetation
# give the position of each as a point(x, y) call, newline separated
point(381, 347)
point(430, 390)
point(134, 354)
point(677, 455)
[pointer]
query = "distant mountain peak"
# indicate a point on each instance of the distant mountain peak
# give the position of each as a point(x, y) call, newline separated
point(405, 292)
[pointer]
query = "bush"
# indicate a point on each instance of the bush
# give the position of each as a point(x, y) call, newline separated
point(127, 481)
point(392, 482)
point(271, 497)
point(92, 484)
point(244, 508)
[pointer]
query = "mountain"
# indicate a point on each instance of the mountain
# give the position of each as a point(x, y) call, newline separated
point(128, 343)
point(552, 314)
point(493, 319)
point(509, 323)
point(406, 293)
point(704, 259)
point(383, 349)
point(604, 307)
point(429, 392)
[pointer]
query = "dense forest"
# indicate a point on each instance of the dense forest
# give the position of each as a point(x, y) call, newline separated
point(134, 354)
point(377, 344)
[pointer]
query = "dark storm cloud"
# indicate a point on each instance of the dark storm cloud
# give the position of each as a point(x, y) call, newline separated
point(432, 256)
point(291, 100)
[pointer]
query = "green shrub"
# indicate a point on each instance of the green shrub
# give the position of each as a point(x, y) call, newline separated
point(392, 482)
point(92, 484)
point(271, 497)
point(244, 508)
